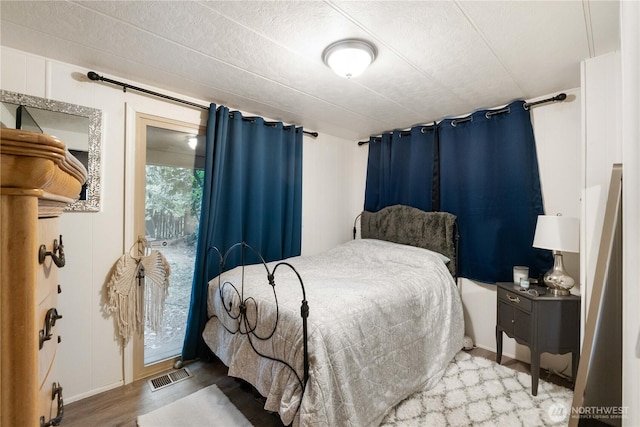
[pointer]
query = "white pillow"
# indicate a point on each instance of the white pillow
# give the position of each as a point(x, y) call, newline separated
point(443, 257)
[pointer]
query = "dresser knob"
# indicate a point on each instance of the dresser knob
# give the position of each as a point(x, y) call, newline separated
point(59, 289)
point(57, 255)
point(55, 392)
point(49, 322)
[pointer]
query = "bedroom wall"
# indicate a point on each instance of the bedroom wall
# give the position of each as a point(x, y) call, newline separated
point(602, 147)
point(90, 360)
point(338, 169)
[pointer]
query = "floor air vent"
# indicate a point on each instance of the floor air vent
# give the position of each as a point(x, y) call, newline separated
point(165, 380)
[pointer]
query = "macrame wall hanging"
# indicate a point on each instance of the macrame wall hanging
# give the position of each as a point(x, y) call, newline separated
point(137, 289)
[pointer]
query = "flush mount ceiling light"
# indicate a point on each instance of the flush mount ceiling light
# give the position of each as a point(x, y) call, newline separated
point(350, 57)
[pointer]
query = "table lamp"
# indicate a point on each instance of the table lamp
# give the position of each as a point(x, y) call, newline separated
point(560, 234)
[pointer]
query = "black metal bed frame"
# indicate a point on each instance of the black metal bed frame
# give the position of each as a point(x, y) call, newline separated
point(239, 311)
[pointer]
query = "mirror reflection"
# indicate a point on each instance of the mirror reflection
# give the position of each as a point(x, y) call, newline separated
point(77, 126)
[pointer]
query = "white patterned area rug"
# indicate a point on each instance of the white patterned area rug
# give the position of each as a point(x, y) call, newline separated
point(207, 407)
point(475, 391)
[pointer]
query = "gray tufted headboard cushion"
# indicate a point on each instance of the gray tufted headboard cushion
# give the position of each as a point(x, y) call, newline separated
point(406, 225)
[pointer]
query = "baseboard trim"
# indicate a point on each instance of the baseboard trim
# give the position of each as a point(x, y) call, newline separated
point(93, 392)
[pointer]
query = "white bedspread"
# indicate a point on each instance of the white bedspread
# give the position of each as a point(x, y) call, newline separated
point(385, 320)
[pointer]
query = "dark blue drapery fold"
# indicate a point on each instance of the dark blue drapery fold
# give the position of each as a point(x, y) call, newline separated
point(490, 180)
point(400, 169)
point(252, 193)
point(483, 170)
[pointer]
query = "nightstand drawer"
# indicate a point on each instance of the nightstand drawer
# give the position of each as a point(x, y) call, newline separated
point(515, 299)
point(516, 323)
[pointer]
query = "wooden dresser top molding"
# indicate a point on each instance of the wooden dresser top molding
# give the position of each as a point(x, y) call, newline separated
point(37, 162)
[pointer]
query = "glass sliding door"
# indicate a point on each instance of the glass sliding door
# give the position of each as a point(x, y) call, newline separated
point(168, 199)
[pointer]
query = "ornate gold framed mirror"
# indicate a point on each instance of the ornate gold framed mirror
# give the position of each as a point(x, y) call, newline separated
point(79, 127)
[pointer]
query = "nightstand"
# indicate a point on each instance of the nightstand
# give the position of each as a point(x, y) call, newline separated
point(544, 323)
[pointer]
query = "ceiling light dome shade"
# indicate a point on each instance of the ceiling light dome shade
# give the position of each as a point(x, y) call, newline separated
point(349, 58)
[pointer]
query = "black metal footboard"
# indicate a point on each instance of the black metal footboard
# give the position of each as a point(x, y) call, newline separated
point(238, 312)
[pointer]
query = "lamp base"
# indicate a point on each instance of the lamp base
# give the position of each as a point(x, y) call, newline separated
point(558, 292)
point(557, 279)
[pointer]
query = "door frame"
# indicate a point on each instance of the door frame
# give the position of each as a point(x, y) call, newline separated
point(135, 161)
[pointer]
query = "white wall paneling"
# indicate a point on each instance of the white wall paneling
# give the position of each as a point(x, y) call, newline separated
point(22, 73)
point(601, 149)
point(329, 200)
point(90, 359)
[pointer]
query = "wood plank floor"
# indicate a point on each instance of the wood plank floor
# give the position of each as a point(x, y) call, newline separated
point(121, 406)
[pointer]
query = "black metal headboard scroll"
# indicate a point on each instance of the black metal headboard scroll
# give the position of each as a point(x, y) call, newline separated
point(245, 326)
point(406, 225)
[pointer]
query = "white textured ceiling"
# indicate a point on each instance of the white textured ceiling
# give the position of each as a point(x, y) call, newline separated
point(435, 58)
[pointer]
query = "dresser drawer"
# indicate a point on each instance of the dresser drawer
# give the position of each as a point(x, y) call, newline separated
point(515, 299)
point(50, 401)
point(47, 272)
point(47, 354)
point(47, 324)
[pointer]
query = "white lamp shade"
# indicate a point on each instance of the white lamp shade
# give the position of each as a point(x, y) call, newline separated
point(557, 233)
point(349, 58)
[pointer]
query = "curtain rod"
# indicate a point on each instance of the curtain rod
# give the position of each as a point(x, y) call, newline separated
point(92, 75)
point(526, 106)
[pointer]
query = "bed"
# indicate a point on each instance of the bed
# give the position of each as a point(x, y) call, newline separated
point(384, 321)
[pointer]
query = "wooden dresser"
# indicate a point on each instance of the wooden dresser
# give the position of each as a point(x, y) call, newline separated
point(39, 178)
